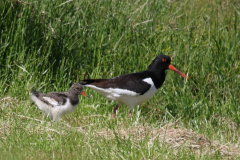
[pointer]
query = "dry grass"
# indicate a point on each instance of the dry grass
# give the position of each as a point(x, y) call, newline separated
point(170, 135)
point(175, 137)
point(7, 101)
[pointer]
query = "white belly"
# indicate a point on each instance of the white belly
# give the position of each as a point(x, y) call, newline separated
point(125, 96)
point(55, 111)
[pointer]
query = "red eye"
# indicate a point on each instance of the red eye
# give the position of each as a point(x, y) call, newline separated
point(164, 60)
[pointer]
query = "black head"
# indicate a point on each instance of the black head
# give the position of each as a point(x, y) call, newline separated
point(161, 63)
point(77, 89)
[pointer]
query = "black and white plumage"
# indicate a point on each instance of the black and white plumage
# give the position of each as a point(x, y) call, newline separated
point(134, 88)
point(56, 104)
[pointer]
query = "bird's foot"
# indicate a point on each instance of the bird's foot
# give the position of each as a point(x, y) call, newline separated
point(113, 115)
point(130, 114)
point(115, 111)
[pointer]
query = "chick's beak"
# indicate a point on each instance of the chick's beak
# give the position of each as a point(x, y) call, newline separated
point(84, 94)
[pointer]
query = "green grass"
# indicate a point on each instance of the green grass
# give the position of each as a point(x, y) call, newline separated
point(50, 45)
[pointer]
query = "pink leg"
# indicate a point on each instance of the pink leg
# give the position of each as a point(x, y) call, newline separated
point(115, 110)
point(130, 114)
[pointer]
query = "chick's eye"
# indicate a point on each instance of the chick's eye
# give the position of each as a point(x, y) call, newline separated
point(164, 60)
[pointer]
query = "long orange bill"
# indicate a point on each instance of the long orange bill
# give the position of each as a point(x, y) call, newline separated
point(177, 71)
point(84, 94)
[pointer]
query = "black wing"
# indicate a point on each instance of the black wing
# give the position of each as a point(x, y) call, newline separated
point(132, 81)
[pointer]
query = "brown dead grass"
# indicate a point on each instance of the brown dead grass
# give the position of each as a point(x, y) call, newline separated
point(172, 135)
point(4, 130)
point(8, 102)
point(175, 137)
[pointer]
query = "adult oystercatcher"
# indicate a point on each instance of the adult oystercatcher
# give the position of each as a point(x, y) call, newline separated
point(56, 104)
point(134, 88)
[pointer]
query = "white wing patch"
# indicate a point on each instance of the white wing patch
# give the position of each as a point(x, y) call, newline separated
point(149, 81)
point(111, 93)
point(52, 101)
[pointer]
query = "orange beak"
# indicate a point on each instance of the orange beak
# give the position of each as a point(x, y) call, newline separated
point(177, 71)
point(84, 94)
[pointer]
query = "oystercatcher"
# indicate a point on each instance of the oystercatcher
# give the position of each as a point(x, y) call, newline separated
point(134, 88)
point(56, 104)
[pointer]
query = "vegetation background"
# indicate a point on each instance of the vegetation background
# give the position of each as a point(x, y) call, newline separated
point(51, 44)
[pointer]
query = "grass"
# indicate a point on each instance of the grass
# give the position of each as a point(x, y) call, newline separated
point(50, 45)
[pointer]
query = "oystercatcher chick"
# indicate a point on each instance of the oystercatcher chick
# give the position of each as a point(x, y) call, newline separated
point(134, 88)
point(56, 104)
